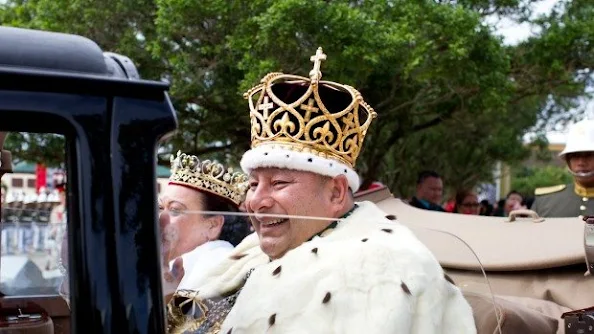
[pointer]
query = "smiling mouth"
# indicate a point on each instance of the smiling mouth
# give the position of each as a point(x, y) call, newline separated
point(583, 173)
point(274, 222)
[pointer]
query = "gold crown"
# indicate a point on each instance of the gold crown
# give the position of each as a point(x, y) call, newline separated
point(306, 124)
point(208, 176)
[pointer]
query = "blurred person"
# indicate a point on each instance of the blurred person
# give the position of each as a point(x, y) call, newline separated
point(4, 189)
point(8, 229)
point(486, 208)
point(467, 203)
point(57, 227)
point(513, 201)
point(450, 205)
point(429, 191)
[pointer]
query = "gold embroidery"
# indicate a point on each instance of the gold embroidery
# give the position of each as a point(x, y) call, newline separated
point(549, 190)
point(190, 314)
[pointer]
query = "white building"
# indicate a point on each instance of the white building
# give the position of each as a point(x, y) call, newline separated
point(22, 178)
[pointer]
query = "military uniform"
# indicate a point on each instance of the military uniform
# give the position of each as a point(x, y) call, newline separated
point(570, 200)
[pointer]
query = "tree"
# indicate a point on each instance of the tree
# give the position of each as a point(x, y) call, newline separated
point(449, 95)
point(48, 149)
point(526, 180)
point(408, 59)
point(115, 25)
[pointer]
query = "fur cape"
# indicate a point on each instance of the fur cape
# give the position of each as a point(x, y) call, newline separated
point(369, 275)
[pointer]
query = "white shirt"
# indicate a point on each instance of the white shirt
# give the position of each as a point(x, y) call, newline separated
point(200, 260)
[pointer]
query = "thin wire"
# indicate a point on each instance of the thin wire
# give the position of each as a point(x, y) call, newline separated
point(228, 213)
point(269, 215)
point(482, 270)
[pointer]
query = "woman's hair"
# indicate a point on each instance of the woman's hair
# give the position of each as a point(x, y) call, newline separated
point(513, 192)
point(235, 228)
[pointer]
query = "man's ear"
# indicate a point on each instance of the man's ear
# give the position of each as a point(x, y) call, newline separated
point(339, 190)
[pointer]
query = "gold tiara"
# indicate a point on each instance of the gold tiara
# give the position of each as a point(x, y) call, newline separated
point(209, 176)
point(306, 124)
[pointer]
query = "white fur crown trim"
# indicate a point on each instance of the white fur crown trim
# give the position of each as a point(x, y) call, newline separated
point(267, 157)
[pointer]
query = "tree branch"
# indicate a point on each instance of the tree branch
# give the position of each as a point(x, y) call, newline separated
point(392, 95)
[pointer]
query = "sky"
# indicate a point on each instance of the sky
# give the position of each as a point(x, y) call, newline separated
point(514, 33)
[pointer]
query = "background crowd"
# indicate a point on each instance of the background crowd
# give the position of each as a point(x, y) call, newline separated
point(429, 195)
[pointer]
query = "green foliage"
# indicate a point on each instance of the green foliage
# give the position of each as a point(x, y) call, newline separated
point(449, 95)
point(48, 149)
point(525, 179)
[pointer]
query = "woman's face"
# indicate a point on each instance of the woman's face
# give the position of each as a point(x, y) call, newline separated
point(513, 202)
point(470, 205)
point(185, 230)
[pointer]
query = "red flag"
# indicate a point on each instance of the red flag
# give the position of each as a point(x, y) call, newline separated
point(40, 177)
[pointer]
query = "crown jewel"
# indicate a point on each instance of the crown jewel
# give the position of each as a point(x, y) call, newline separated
point(332, 127)
point(209, 176)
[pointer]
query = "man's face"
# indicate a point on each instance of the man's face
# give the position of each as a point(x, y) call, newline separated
point(431, 189)
point(582, 163)
point(287, 192)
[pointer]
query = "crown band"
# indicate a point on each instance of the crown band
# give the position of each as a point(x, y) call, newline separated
point(291, 157)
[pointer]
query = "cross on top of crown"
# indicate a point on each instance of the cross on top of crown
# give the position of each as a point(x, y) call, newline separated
point(316, 74)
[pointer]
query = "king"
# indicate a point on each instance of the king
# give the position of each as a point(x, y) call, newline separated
point(318, 262)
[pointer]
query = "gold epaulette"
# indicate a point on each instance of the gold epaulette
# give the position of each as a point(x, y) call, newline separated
point(549, 190)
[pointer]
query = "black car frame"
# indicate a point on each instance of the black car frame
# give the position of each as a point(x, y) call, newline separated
point(112, 122)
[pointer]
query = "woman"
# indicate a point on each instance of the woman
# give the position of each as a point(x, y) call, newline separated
point(513, 201)
point(467, 203)
point(193, 240)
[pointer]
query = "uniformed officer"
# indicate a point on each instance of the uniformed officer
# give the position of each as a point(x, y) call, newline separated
point(575, 199)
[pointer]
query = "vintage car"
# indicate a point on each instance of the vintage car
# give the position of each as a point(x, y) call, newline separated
point(112, 122)
point(539, 269)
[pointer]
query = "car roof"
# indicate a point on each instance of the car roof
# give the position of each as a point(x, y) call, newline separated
point(56, 62)
point(33, 49)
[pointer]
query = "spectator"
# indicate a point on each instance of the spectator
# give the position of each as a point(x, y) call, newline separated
point(429, 192)
point(467, 203)
point(513, 201)
point(486, 208)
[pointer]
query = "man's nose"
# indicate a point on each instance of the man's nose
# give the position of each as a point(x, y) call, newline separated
point(164, 219)
point(259, 200)
point(580, 160)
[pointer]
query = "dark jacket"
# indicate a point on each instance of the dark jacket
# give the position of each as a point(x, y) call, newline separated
point(425, 205)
